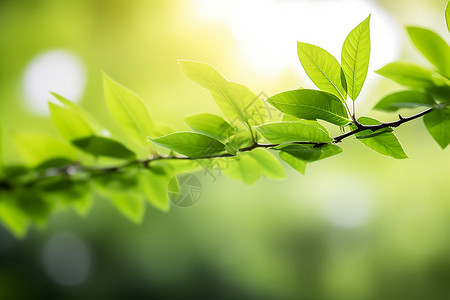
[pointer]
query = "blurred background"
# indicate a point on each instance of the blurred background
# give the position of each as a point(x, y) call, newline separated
point(357, 226)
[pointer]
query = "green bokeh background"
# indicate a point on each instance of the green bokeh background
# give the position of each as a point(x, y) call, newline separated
point(274, 240)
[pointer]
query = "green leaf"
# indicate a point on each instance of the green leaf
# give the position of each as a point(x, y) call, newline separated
point(235, 100)
point(154, 183)
point(447, 15)
point(243, 168)
point(32, 203)
point(385, 143)
point(311, 105)
point(289, 118)
point(433, 47)
point(269, 165)
point(310, 153)
point(231, 148)
point(70, 123)
point(37, 148)
point(408, 74)
point(129, 111)
point(405, 99)
point(102, 146)
point(298, 131)
point(437, 123)
point(440, 93)
point(293, 161)
point(211, 125)
point(191, 144)
point(355, 58)
point(131, 206)
point(12, 218)
point(323, 69)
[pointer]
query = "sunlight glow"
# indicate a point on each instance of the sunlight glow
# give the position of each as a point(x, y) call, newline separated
point(58, 71)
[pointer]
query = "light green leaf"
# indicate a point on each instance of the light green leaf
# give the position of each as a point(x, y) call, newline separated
point(385, 143)
point(289, 118)
point(311, 105)
point(235, 100)
point(298, 131)
point(130, 205)
point(37, 148)
point(437, 123)
point(12, 218)
point(355, 57)
point(310, 153)
point(154, 183)
point(243, 168)
point(293, 161)
point(102, 146)
point(211, 125)
point(231, 148)
point(128, 110)
point(269, 165)
point(323, 69)
point(433, 47)
point(408, 74)
point(405, 99)
point(447, 15)
point(191, 144)
point(70, 123)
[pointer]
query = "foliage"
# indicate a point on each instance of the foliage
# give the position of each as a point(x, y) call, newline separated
point(139, 164)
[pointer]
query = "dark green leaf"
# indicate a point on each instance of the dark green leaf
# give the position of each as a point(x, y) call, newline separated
point(191, 144)
point(385, 143)
point(433, 47)
point(231, 148)
point(405, 99)
point(311, 105)
point(323, 69)
point(355, 58)
point(211, 125)
point(437, 123)
point(102, 146)
point(298, 131)
point(408, 74)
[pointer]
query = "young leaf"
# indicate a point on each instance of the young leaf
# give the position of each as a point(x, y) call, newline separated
point(293, 161)
point(405, 99)
point(235, 100)
point(289, 118)
point(131, 206)
point(311, 105)
point(231, 148)
point(407, 74)
point(323, 69)
point(243, 168)
point(12, 217)
point(385, 143)
point(154, 183)
point(433, 47)
point(129, 111)
point(269, 165)
point(282, 132)
point(355, 58)
point(70, 123)
point(437, 123)
point(37, 148)
point(102, 146)
point(211, 125)
point(310, 153)
point(191, 144)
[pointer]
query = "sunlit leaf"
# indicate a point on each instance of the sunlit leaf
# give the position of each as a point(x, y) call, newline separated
point(282, 132)
point(243, 168)
point(102, 146)
point(323, 69)
point(211, 125)
point(433, 47)
point(192, 144)
point(310, 153)
point(154, 183)
point(437, 123)
point(128, 110)
point(405, 99)
point(355, 58)
point(130, 205)
point(12, 217)
point(269, 165)
point(385, 143)
point(293, 161)
point(311, 105)
point(408, 74)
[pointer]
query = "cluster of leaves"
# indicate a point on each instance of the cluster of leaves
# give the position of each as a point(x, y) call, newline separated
point(138, 161)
